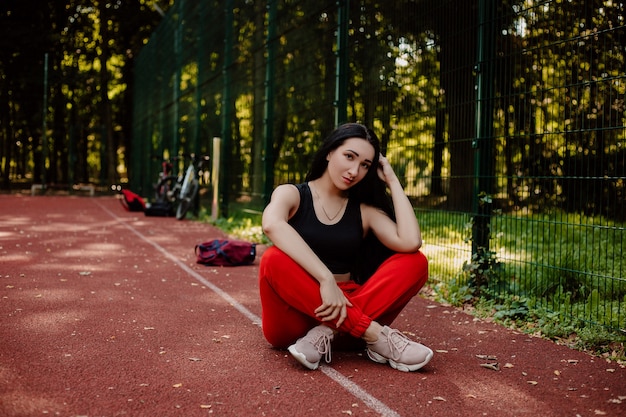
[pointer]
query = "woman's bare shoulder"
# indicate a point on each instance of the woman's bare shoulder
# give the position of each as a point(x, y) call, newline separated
point(288, 191)
point(285, 196)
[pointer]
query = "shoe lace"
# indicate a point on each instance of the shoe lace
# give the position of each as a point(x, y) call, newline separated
point(397, 343)
point(322, 343)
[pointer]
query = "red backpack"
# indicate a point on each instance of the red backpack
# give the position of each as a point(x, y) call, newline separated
point(132, 201)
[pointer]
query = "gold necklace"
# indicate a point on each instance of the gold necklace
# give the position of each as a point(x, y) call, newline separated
point(330, 218)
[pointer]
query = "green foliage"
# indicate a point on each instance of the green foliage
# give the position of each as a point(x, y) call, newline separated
point(514, 308)
point(245, 225)
point(454, 292)
point(484, 270)
point(528, 315)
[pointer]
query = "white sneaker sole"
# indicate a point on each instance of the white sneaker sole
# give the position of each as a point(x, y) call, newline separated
point(302, 359)
point(398, 365)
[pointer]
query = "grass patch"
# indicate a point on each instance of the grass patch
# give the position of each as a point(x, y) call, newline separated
point(244, 223)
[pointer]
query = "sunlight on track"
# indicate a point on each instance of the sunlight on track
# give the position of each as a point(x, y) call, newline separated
point(253, 317)
point(333, 374)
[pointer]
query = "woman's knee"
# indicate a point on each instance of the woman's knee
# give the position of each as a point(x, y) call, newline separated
point(274, 260)
point(414, 261)
point(275, 338)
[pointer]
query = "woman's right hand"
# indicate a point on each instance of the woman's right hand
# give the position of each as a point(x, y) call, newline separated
point(334, 303)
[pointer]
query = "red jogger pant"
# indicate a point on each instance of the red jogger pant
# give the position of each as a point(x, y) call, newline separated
point(290, 295)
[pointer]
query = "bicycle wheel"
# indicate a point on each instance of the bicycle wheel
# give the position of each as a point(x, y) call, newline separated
point(187, 199)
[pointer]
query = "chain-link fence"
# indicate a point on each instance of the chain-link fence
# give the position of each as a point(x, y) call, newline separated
point(505, 121)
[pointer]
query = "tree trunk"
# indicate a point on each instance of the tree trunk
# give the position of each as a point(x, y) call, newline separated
point(458, 55)
point(110, 165)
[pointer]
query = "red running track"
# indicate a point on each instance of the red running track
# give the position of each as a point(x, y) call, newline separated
point(105, 313)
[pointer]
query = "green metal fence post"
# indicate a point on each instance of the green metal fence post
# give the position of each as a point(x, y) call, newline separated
point(484, 141)
point(103, 154)
point(178, 36)
point(268, 117)
point(226, 181)
point(71, 156)
point(44, 127)
point(341, 85)
point(200, 54)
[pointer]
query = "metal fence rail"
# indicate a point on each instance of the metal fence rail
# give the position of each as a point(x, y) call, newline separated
point(504, 120)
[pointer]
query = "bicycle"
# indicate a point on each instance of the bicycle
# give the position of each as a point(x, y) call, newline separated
point(163, 189)
point(180, 190)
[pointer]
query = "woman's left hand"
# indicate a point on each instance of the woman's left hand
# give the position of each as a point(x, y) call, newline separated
point(334, 303)
point(384, 170)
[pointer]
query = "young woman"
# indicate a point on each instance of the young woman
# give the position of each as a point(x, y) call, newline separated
point(313, 281)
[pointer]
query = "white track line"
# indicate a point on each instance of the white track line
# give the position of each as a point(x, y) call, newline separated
point(369, 400)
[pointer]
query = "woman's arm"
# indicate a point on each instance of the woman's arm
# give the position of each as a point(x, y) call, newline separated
point(404, 235)
point(284, 203)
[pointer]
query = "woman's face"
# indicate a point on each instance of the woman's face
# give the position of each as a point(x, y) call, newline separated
point(348, 164)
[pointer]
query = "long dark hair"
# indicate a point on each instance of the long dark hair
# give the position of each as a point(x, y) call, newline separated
point(370, 190)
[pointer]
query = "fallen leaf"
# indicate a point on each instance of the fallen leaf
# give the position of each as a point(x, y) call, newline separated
point(487, 357)
point(84, 273)
point(195, 359)
point(557, 372)
point(610, 370)
point(532, 382)
point(177, 385)
point(205, 405)
point(599, 412)
point(439, 398)
point(508, 365)
point(572, 361)
point(441, 351)
point(492, 366)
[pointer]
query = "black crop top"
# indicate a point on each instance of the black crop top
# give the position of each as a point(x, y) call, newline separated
point(337, 245)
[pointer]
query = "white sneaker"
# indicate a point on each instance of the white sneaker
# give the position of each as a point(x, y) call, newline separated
point(399, 351)
point(310, 349)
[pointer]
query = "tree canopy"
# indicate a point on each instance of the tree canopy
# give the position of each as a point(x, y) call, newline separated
point(90, 47)
point(554, 71)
